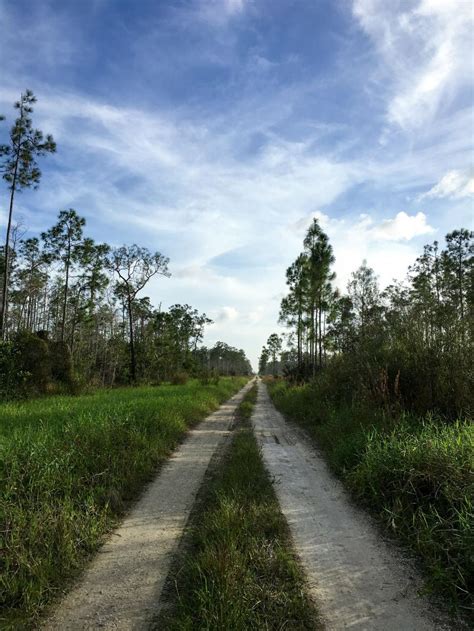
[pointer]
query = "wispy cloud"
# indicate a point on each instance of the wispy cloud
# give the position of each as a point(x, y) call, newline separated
point(453, 184)
point(425, 51)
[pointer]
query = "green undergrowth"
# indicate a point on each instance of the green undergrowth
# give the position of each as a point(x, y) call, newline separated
point(414, 474)
point(238, 570)
point(68, 468)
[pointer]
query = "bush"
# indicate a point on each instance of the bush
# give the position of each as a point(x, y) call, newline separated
point(208, 377)
point(12, 377)
point(179, 378)
point(34, 359)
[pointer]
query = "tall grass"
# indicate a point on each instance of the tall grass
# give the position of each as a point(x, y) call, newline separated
point(239, 571)
point(68, 467)
point(415, 474)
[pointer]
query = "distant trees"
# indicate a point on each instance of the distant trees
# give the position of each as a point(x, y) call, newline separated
point(410, 345)
point(63, 243)
point(263, 361)
point(309, 300)
point(274, 346)
point(227, 360)
point(19, 168)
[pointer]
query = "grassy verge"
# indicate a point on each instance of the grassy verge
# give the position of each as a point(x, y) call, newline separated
point(414, 474)
point(238, 571)
point(68, 467)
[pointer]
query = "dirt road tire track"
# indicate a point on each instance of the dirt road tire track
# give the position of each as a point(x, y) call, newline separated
point(121, 587)
point(354, 576)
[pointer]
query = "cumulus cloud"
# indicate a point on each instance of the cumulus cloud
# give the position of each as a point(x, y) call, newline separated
point(454, 184)
point(402, 227)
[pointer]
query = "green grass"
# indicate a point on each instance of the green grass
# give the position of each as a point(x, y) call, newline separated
point(239, 571)
point(415, 474)
point(68, 467)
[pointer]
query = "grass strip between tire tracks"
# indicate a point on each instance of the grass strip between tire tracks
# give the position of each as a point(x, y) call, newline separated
point(238, 570)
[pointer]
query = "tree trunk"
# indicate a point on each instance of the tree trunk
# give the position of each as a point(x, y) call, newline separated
point(66, 286)
point(320, 337)
point(133, 366)
point(3, 314)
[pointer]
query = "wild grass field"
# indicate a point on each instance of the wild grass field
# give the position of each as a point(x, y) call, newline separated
point(415, 474)
point(68, 468)
point(239, 571)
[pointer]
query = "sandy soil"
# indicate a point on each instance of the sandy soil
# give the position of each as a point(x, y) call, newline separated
point(357, 580)
point(121, 587)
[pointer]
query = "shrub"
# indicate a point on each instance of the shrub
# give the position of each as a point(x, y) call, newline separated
point(208, 377)
point(33, 358)
point(12, 377)
point(179, 378)
point(61, 362)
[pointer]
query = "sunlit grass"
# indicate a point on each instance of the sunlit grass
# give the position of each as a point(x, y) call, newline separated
point(68, 467)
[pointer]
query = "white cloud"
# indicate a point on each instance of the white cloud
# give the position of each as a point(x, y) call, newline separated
point(402, 227)
point(453, 184)
point(425, 50)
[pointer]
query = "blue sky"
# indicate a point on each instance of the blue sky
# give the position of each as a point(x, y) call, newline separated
point(215, 130)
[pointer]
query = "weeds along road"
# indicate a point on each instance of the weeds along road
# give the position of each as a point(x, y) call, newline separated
point(121, 587)
point(357, 581)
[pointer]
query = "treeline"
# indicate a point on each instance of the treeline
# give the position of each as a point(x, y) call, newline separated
point(75, 316)
point(406, 347)
point(73, 310)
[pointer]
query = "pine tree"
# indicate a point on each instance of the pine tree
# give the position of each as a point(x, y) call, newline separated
point(19, 168)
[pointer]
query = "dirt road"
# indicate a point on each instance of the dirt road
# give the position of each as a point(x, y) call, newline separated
point(121, 587)
point(357, 581)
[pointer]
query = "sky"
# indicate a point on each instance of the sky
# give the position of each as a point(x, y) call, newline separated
point(214, 131)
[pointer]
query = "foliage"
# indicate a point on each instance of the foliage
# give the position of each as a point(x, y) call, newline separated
point(19, 168)
point(88, 299)
point(305, 308)
point(12, 377)
point(135, 266)
point(61, 362)
point(239, 571)
point(34, 359)
point(407, 347)
point(179, 378)
point(207, 376)
point(271, 351)
point(68, 468)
